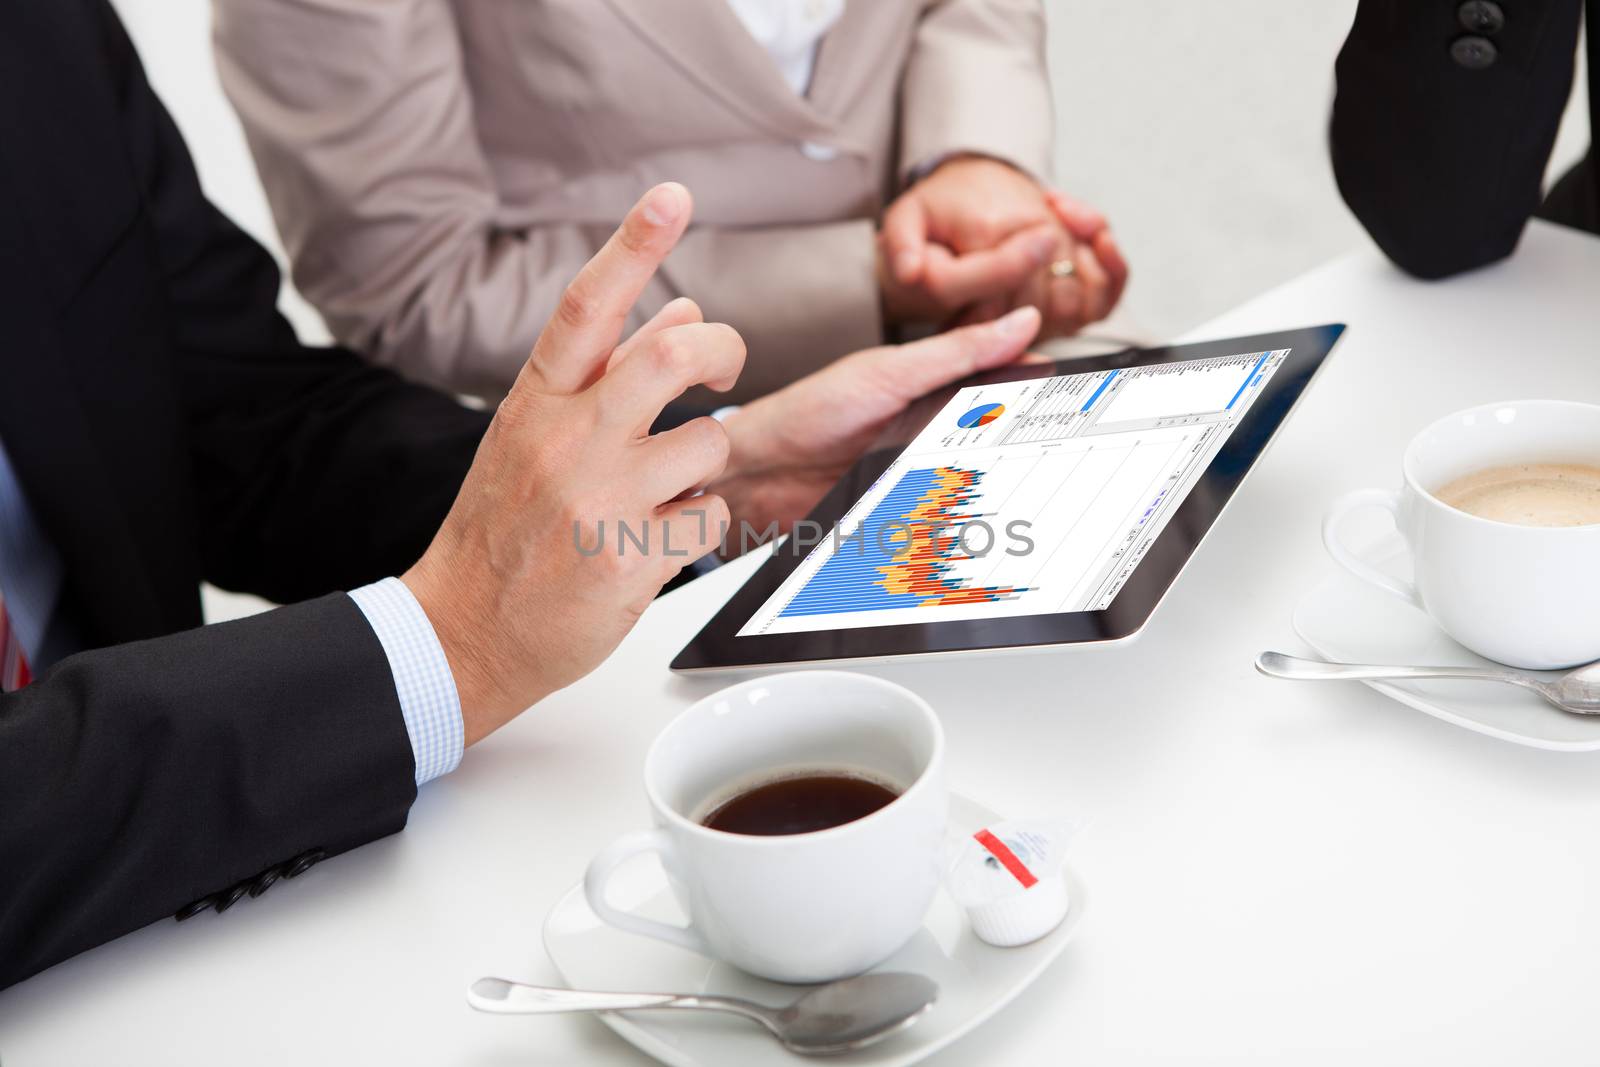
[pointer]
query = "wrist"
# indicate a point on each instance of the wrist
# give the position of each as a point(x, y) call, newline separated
point(485, 706)
point(931, 166)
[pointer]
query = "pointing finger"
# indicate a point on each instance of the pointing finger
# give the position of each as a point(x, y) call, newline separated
point(576, 343)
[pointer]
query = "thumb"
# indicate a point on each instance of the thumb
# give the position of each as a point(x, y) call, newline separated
point(905, 239)
point(926, 365)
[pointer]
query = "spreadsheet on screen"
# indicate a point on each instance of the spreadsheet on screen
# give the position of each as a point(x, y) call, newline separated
point(1022, 498)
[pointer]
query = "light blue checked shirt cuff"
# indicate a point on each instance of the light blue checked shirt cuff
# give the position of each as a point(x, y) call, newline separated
point(422, 677)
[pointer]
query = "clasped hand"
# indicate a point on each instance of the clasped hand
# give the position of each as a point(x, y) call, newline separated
point(522, 602)
point(977, 237)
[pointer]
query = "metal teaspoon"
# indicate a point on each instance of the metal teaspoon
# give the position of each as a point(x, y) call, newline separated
point(1577, 691)
point(837, 1017)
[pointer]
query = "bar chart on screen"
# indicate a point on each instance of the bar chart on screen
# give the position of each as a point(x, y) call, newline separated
point(904, 554)
point(1030, 497)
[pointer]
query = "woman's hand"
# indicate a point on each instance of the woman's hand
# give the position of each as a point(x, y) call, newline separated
point(788, 448)
point(977, 237)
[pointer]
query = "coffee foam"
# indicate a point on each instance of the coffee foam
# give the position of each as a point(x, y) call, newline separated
point(1529, 494)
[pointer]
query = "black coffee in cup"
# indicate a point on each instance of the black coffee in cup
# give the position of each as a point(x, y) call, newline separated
point(799, 804)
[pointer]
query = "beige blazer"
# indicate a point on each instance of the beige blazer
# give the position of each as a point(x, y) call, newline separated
point(439, 169)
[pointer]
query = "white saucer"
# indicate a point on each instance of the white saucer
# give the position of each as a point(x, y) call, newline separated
point(1346, 619)
point(975, 980)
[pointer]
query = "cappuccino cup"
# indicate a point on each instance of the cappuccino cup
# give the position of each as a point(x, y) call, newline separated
point(1526, 592)
point(792, 907)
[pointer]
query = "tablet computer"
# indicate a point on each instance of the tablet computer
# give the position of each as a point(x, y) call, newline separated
point(1039, 504)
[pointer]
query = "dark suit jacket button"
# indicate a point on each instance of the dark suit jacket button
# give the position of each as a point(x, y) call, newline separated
point(1481, 16)
point(264, 880)
point(1474, 53)
point(195, 907)
point(231, 897)
point(304, 862)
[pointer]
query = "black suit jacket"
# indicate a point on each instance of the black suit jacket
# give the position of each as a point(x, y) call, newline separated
point(1442, 156)
point(168, 428)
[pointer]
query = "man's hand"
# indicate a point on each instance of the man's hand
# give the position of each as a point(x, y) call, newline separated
point(789, 447)
point(977, 237)
point(519, 603)
point(573, 515)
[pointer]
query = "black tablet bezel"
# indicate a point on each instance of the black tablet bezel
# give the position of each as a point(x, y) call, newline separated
point(718, 646)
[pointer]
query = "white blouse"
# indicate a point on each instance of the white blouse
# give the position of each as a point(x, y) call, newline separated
point(790, 31)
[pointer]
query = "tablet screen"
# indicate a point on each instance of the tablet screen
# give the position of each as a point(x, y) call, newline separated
point(1029, 497)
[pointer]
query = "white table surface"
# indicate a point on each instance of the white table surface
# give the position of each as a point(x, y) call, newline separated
point(1306, 875)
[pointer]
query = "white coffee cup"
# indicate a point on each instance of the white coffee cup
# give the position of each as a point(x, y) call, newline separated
point(1527, 596)
point(802, 907)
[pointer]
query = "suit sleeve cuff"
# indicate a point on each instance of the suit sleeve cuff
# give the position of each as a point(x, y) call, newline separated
point(422, 679)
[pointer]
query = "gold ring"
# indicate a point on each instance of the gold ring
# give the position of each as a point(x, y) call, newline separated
point(1063, 268)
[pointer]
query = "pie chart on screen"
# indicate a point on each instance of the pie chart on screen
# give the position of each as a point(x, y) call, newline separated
point(982, 415)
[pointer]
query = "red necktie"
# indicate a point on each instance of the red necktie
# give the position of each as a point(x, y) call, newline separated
point(14, 673)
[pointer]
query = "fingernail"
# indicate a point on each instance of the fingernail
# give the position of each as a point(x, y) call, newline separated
point(1022, 322)
point(664, 204)
point(905, 265)
point(1043, 248)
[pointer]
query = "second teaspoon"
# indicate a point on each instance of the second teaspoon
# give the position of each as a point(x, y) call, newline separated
point(1577, 691)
